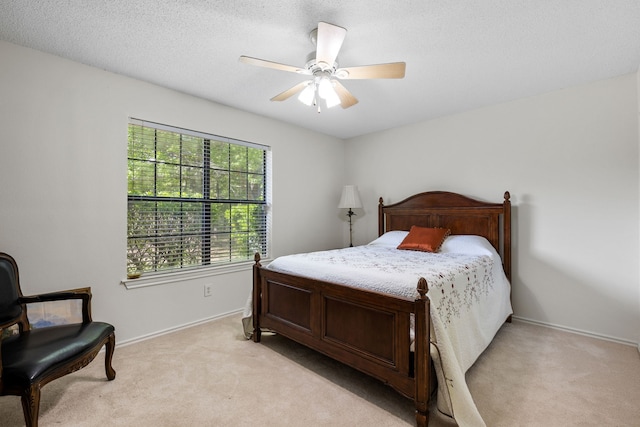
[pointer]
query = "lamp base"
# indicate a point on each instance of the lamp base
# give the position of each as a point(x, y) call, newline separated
point(350, 214)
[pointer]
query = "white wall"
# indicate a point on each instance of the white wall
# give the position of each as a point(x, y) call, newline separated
point(569, 159)
point(63, 150)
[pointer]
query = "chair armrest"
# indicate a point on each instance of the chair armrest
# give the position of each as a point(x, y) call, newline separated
point(81, 293)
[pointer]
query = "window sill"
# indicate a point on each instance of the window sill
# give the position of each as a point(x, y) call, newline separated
point(154, 279)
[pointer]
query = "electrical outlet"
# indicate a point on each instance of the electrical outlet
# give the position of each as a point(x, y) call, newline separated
point(208, 290)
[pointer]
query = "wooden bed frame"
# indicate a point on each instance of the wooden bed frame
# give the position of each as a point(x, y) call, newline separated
point(366, 330)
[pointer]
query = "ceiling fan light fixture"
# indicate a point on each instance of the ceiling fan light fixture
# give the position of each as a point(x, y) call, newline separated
point(325, 87)
point(333, 100)
point(329, 94)
point(307, 95)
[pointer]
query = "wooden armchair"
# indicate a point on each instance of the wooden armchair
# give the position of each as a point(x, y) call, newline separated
point(31, 358)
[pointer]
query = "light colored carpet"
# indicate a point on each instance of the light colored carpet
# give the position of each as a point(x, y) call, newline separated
point(210, 375)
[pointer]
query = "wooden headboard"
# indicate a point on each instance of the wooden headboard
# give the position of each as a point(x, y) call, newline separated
point(460, 214)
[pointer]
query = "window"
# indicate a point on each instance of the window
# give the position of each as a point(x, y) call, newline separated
point(194, 199)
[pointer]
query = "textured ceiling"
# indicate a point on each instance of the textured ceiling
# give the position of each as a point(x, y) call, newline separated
point(460, 55)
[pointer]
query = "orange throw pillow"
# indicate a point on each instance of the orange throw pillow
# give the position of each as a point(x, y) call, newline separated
point(424, 239)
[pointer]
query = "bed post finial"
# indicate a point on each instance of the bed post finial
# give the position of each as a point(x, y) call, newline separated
point(423, 288)
point(507, 196)
point(380, 217)
point(256, 258)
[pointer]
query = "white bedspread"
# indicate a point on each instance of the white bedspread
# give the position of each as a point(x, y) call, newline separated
point(468, 290)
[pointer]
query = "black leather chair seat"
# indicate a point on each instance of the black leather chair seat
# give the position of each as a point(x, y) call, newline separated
point(28, 357)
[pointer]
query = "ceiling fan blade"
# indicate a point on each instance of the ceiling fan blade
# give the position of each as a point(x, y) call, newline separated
point(290, 92)
point(329, 41)
point(346, 99)
point(393, 70)
point(271, 64)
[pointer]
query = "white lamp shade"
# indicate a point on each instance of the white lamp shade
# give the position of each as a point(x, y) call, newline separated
point(325, 88)
point(332, 99)
point(350, 198)
point(328, 93)
point(307, 94)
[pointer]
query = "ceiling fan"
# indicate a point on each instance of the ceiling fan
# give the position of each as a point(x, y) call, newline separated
point(324, 71)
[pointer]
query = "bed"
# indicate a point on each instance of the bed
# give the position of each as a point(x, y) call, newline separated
point(398, 339)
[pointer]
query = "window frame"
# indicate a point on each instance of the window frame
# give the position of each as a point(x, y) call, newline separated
point(205, 267)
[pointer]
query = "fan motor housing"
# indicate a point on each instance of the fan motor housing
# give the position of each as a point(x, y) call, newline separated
point(314, 66)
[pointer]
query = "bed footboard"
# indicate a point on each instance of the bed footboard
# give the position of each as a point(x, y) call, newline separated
point(366, 330)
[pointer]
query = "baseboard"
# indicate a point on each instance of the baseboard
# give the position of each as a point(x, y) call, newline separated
point(578, 331)
point(517, 318)
point(176, 328)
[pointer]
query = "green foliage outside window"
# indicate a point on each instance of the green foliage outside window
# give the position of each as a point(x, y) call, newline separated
point(193, 201)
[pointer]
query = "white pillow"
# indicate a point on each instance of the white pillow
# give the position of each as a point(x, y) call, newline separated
point(468, 244)
point(390, 239)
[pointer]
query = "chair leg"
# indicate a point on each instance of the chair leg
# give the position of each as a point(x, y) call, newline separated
point(31, 405)
point(110, 347)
